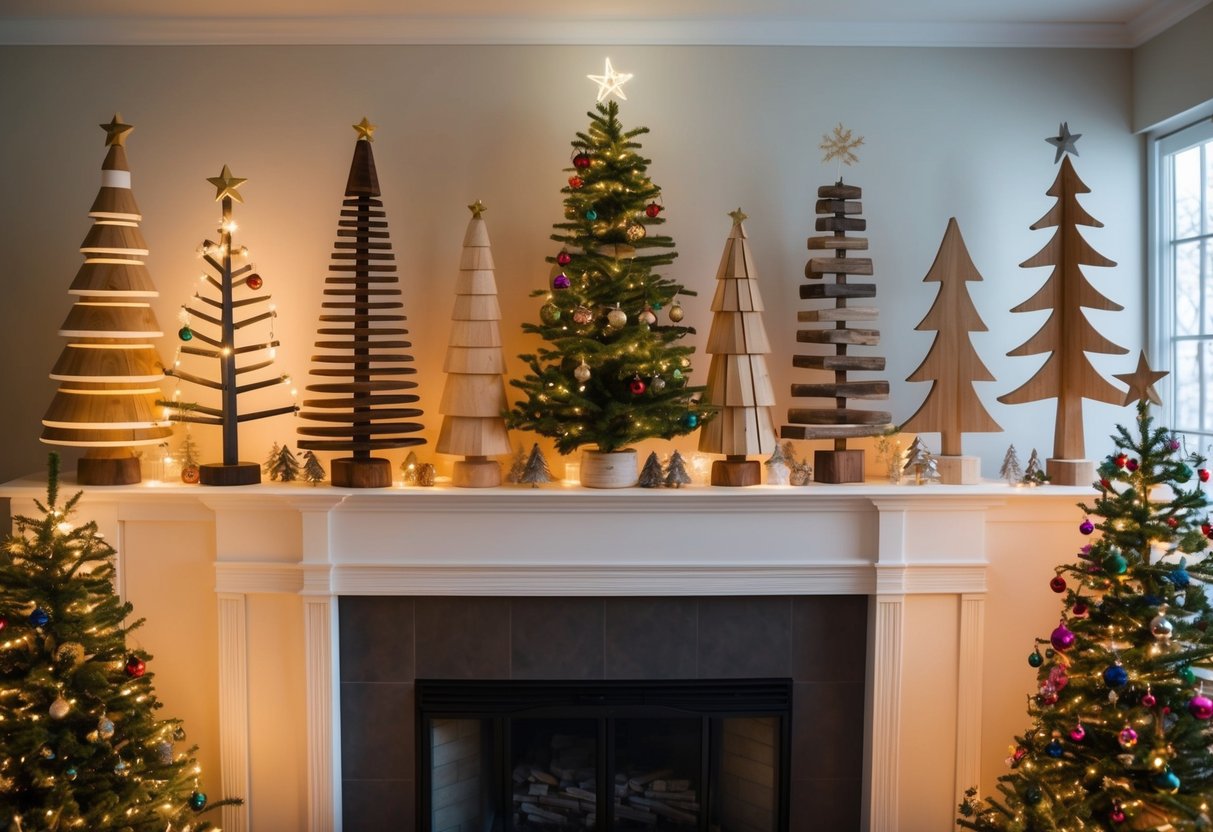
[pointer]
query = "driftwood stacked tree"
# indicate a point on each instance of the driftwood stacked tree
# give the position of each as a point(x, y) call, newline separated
point(838, 208)
point(474, 398)
point(1067, 336)
point(364, 370)
point(952, 364)
point(739, 385)
point(109, 371)
point(225, 296)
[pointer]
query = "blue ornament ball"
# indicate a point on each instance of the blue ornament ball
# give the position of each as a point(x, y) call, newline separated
point(691, 420)
point(1053, 749)
point(198, 801)
point(185, 333)
point(39, 617)
point(1166, 782)
point(70, 773)
point(1115, 676)
point(591, 215)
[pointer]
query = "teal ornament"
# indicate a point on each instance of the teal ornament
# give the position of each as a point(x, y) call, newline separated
point(691, 420)
point(591, 215)
point(1035, 659)
point(198, 801)
point(1115, 563)
point(677, 374)
point(1032, 795)
point(185, 333)
point(70, 773)
point(120, 767)
point(1183, 474)
point(1187, 675)
point(1166, 782)
point(1179, 576)
point(656, 305)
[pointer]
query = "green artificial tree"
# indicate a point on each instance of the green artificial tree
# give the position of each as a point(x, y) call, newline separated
point(81, 746)
point(1121, 727)
point(612, 371)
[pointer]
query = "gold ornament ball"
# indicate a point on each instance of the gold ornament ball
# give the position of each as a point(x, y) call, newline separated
point(59, 708)
point(635, 232)
point(617, 317)
point(582, 373)
point(676, 312)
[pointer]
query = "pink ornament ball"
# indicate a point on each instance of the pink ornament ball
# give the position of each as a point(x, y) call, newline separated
point(1201, 707)
point(1127, 737)
point(1078, 733)
point(1062, 638)
point(1148, 700)
point(1118, 815)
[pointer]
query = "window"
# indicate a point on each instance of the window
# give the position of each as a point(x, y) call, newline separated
point(1182, 292)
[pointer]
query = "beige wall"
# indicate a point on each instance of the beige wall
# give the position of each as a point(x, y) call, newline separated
point(948, 132)
point(1173, 75)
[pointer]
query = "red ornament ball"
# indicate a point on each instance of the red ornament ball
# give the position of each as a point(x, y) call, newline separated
point(1203, 473)
point(575, 182)
point(1173, 522)
point(637, 386)
point(581, 161)
point(1206, 529)
point(1131, 464)
point(1105, 485)
point(254, 281)
point(1079, 608)
point(3, 622)
point(190, 474)
point(1121, 460)
point(1058, 584)
point(1148, 700)
point(135, 667)
point(652, 209)
point(564, 258)
point(1086, 526)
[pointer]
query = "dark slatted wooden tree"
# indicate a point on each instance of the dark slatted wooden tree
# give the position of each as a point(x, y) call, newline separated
point(363, 373)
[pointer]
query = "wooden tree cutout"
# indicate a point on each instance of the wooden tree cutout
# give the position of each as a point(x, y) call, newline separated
point(473, 400)
point(738, 382)
point(108, 372)
point(952, 364)
point(1067, 336)
point(365, 349)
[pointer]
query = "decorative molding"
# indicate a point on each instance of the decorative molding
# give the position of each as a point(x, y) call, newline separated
point(969, 674)
point(884, 692)
point(252, 578)
point(323, 735)
point(1158, 17)
point(234, 710)
point(931, 578)
point(753, 30)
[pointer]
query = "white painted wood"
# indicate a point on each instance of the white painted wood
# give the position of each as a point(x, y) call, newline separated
point(884, 712)
point(323, 708)
point(234, 710)
point(969, 671)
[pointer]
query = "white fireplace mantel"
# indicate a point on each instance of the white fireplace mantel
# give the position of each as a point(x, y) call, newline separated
point(893, 544)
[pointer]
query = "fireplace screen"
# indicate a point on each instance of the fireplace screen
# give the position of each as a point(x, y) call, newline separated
point(701, 756)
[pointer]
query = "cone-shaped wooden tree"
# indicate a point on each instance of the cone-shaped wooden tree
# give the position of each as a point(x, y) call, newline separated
point(365, 406)
point(109, 371)
point(838, 207)
point(474, 398)
point(738, 382)
point(952, 364)
point(1067, 336)
point(213, 319)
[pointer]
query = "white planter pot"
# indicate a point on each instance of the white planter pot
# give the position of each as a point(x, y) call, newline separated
point(616, 469)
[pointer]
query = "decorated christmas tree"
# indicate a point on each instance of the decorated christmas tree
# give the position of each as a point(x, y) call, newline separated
point(81, 745)
point(611, 372)
point(220, 324)
point(109, 372)
point(1121, 725)
point(363, 374)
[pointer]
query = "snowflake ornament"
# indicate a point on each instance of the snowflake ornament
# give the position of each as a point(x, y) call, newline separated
point(841, 146)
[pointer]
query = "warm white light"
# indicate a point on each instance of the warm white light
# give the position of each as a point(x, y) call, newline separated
point(611, 82)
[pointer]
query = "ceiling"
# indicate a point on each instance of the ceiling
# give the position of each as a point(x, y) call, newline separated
point(1056, 23)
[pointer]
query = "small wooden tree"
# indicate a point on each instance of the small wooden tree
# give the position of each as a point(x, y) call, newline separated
point(952, 364)
point(676, 475)
point(536, 471)
point(1067, 336)
point(838, 208)
point(216, 327)
point(108, 371)
point(363, 373)
point(739, 385)
point(651, 475)
point(474, 398)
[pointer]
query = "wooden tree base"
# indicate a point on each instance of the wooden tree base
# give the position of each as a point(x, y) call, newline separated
point(959, 470)
point(117, 471)
point(476, 473)
point(616, 469)
point(361, 473)
point(736, 472)
point(1070, 471)
point(838, 466)
point(242, 473)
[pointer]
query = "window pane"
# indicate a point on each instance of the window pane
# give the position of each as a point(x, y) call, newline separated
point(1187, 288)
point(1186, 185)
point(1208, 154)
point(1187, 385)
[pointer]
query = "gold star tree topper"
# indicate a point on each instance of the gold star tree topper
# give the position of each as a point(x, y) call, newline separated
point(226, 184)
point(611, 81)
point(739, 216)
point(1141, 382)
point(477, 208)
point(116, 131)
point(366, 130)
point(840, 145)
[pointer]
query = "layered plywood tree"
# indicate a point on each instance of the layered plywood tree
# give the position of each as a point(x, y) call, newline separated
point(109, 372)
point(952, 406)
point(739, 386)
point(363, 373)
point(473, 401)
point(1067, 336)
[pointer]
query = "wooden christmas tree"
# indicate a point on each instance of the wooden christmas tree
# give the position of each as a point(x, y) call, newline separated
point(738, 382)
point(952, 364)
point(474, 398)
point(1067, 336)
point(363, 373)
point(109, 371)
point(226, 295)
point(838, 208)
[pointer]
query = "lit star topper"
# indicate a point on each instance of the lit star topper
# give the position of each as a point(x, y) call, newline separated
point(1064, 141)
point(477, 208)
point(611, 82)
point(116, 131)
point(1141, 382)
point(840, 145)
point(366, 130)
point(226, 184)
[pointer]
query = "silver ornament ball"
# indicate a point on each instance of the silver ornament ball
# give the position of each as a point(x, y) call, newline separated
point(617, 317)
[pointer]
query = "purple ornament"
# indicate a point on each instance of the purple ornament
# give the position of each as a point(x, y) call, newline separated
point(1127, 737)
point(1062, 638)
point(561, 281)
point(1174, 444)
point(1078, 733)
point(1148, 700)
point(1201, 707)
point(1086, 526)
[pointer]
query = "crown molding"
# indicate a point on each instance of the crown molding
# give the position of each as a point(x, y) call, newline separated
point(737, 31)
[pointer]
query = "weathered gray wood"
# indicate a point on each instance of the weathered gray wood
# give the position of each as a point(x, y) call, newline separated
point(842, 313)
point(843, 390)
point(826, 243)
point(860, 337)
point(839, 363)
point(841, 224)
point(838, 206)
point(830, 431)
point(838, 416)
point(837, 265)
point(839, 191)
point(817, 291)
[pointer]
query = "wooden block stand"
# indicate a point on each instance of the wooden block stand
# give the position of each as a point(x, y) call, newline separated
point(1070, 471)
point(838, 466)
point(736, 472)
point(476, 472)
point(349, 472)
point(242, 473)
point(122, 470)
point(959, 470)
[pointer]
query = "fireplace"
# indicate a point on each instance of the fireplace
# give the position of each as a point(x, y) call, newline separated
point(557, 756)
